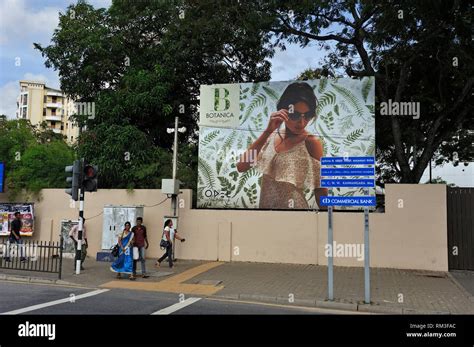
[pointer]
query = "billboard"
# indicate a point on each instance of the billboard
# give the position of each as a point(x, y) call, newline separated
point(7, 211)
point(261, 144)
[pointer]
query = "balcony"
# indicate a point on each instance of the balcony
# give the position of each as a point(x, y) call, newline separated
point(56, 131)
point(54, 93)
point(53, 105)
point(56, 118)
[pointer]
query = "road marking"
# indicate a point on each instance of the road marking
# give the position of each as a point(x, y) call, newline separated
point(176, 307)
point(56, 302)
point(173, 284)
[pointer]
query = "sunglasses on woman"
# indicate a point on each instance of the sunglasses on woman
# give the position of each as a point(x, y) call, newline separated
point(295, 116)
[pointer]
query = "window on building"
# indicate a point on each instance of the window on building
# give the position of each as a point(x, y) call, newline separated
point(55, 99)
point(72, 138)
point(24, 112)
point(53, 124)
point(62, 127)
point(67, 125)
point(53, 112)
point(25, 99)
point(45, 99)
point(44, 112)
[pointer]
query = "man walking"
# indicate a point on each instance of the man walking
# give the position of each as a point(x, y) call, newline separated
point(15, 236)
point(141, 242)
point(74, 235)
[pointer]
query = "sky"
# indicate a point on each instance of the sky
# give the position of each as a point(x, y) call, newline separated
point(23, 22)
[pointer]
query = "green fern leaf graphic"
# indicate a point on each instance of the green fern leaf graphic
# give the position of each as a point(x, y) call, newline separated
point(336, 109)
point(323, 82)
point(349, 96)
point(353, 136)
point(229, 141)
point(254, 89)
point(366, 86)
point(226, 185)
point(243, 202)
point(271, 93)
point(209, 137)
point(328, 98)
point(205, 169)
point(244, 91)
point(258, 101)
point(244, 178)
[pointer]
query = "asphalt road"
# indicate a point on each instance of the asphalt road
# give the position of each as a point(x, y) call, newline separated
point(37, 299)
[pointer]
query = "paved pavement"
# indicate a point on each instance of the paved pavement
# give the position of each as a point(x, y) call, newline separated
point(393, 291)
point(466, 280)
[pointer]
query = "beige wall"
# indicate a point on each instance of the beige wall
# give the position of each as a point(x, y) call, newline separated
point(410, 237)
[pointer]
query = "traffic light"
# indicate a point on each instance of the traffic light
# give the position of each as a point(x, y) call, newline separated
point(75, 179)
point(89, 182)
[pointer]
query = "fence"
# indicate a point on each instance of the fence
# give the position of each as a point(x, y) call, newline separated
point(38, 256)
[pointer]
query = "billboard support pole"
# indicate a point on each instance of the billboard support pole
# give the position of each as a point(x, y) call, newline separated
point(331, 254)
point(366, 253)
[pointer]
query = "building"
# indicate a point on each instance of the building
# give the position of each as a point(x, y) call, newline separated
point(39, 103)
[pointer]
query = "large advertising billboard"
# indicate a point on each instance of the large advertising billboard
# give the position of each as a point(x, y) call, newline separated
point(261, 144)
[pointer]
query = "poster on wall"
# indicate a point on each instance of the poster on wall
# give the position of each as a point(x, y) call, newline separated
point(261, 144)
point(7, 211)
point(68, 244)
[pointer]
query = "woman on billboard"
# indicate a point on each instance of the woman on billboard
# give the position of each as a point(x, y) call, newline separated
point(288, 159)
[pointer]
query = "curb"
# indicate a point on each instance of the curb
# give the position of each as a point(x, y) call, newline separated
point(335, 305)
point(28, 279)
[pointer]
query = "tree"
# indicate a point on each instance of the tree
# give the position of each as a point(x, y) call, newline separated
point(34, 159)
point(142, 63)
point(410, 48)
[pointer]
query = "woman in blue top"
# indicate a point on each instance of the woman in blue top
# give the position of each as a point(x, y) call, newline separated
point(124, 262)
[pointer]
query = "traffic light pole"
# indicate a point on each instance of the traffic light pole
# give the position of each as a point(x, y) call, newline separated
point(81, 228)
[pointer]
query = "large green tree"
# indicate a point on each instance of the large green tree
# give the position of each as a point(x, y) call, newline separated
point(142, 63)
point(418, 51)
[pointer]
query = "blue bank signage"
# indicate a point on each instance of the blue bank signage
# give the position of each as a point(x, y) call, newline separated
point(335, 173)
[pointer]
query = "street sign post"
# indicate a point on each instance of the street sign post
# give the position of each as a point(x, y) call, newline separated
point(351, 180)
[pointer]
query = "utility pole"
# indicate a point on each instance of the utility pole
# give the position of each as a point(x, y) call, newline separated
point(171, 186)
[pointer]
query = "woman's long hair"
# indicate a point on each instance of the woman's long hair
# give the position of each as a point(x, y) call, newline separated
point(168, 221)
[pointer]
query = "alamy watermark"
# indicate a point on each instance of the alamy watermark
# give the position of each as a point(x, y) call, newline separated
point(344, 250)
point(394, 108)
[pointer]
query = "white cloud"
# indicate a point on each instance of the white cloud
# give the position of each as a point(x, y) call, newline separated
point(18, 21)
point(8, 94)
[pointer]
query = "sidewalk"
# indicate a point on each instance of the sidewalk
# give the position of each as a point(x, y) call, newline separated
point(392, 291)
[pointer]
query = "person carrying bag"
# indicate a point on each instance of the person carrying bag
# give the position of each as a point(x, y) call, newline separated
point(169, 234)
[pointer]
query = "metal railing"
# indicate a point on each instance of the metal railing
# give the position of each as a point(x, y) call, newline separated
point(38, 256)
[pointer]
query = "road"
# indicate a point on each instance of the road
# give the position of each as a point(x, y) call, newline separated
point(39, 299)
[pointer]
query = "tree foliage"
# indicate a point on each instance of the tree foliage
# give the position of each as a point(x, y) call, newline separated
point(34, 158)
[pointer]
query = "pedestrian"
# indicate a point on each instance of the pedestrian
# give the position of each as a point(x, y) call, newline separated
point(140, 241)
point(169, 234)
point(74, 235)
point(15, 237)
point(124, 262)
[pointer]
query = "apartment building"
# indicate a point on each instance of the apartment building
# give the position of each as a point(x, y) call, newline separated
point(39, 103)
